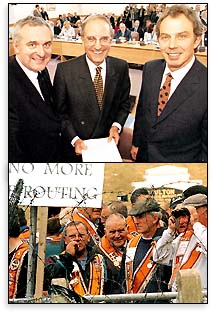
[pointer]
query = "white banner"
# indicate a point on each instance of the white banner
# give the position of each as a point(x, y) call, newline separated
point(59, 184)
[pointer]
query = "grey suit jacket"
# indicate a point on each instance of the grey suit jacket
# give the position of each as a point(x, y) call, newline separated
point(180, 133)
point(77, 103)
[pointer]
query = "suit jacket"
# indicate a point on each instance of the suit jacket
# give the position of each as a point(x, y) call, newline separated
point(139, 30)
point(77, 102)
point(127, 34)
point(34, 127)
point(180, 133)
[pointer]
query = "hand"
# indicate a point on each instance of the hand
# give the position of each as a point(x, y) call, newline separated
point(114, 134)
point(72, 247)
point(79, 146)
point(194, 215)
point(171, 223)
point(134, 151)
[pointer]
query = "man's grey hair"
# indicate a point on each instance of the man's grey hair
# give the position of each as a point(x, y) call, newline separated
point(31, 21)
point(94, 17)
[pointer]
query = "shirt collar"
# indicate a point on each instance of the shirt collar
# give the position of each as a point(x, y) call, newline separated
point(179, 74)
point(93, 66)
point(31, 74)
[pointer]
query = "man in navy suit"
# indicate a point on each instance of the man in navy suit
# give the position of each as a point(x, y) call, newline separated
point(34, 127)
point(123, 32)
point(179, 133)
point(75, 94)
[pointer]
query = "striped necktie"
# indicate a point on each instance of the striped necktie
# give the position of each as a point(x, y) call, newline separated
point(164, 94)
point(98, 85)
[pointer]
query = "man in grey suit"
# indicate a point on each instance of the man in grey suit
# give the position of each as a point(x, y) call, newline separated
point(34, 126)
point(179, 133)
point(75, 93)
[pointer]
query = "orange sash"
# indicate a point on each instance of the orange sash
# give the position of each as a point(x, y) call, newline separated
point(24, 235)
point(92, 229)
point(15, 268)
point(191, 261)
point(132, 229)
point(112, 254)
point(138, 281)
point(96, 281)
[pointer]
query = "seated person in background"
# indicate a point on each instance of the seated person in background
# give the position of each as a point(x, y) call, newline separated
point(67, 30)
point(78, 28)
point(123, 33)
point(137, 28)
point(150, 36)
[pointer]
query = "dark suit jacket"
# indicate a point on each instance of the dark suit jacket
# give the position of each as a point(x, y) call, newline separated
point(77, 103)
point(139, 30)
point(34, 128)
point(180, 133)
point(127, 34)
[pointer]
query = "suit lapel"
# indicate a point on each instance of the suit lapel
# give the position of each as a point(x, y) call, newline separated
point(34, 96)
point(86, 86)
point(156, 82)
point(184, 90)
point(110, 85)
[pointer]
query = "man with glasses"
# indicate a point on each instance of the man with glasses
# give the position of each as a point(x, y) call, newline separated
point(92, 102)
point(78, 263)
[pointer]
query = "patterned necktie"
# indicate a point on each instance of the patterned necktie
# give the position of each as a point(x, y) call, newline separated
point(98, 85)
point(164, 94)
point(45, 87)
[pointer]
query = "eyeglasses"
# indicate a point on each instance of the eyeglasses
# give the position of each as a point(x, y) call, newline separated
point(91, 40)
point(76, 236)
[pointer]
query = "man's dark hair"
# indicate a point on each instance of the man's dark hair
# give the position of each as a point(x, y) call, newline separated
point(137, 192)
point(193, 190)
point(53, 226)
point(22, 217)
point(181, 212)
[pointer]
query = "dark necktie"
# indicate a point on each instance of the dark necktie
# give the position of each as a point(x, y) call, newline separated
point(164, 94)
point(45, 87)
point(98, 85)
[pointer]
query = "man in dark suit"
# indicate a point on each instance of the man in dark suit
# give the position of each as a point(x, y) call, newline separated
point(179, 132)
point(75, 93)
point(123, 32)
point(137, 28)
point(34, 127)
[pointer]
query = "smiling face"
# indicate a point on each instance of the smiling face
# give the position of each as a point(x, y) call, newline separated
point(177, 41)
point(116, 231)
point(34, 47)
point(97, 40)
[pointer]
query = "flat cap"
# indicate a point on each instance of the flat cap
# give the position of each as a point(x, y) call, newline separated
point(196, 200)
point(145, 205)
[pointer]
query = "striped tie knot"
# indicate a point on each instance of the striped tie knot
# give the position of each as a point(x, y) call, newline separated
point(98, 86)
